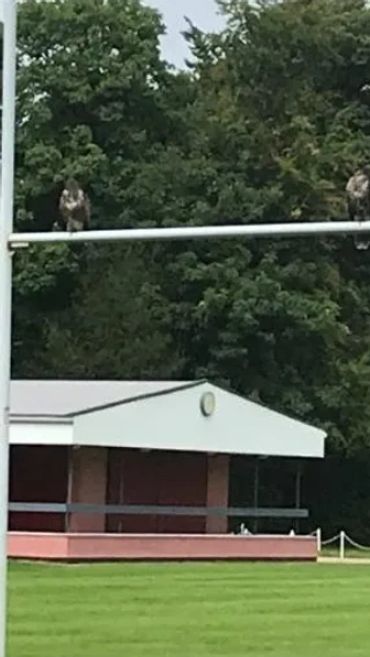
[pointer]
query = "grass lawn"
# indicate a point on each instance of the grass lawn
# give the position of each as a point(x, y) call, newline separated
point(183, 610)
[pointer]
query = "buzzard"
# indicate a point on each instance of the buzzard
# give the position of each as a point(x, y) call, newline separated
point(74, 207)
point(358, 202)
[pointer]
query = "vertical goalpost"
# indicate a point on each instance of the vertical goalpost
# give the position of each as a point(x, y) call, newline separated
point(10, 241)
point(8, 19)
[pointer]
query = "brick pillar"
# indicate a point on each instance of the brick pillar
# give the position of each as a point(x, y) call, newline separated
point(217, 491)
point(87, 485)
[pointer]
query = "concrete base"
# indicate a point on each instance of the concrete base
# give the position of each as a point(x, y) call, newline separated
point(147, 547)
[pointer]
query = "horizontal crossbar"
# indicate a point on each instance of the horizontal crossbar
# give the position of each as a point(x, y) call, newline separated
point(255, 231)
point(147, 509)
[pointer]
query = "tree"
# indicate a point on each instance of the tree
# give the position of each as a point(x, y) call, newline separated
point(92, 104)
point(116, 327)
point(278, 124)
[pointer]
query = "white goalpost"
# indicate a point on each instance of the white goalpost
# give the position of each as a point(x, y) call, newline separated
point(8, 18)
point(10, 242)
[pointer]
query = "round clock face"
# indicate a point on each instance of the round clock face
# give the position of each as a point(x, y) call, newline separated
point(208, 403)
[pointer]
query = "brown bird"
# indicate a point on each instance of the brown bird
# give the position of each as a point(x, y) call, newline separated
point(358, 202)
point(74, 207)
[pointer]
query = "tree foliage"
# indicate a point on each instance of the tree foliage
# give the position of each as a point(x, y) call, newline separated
point(280, 122)
point(92, 103)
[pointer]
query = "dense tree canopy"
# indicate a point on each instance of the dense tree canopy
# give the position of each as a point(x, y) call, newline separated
point(266, 125)
point(92, 102)
point(280, 122)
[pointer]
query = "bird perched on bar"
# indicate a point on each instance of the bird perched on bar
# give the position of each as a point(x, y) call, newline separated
point(365, 91)
point(358, 202)
point(74, 208)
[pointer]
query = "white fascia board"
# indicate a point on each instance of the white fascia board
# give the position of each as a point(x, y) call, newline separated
point(41, 433)
point(175, 422)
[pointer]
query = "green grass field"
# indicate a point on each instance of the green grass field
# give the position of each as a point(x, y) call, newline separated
point(183, 610)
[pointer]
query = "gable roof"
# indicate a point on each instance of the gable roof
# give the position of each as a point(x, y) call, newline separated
point(65, 399)
point(159, 415)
